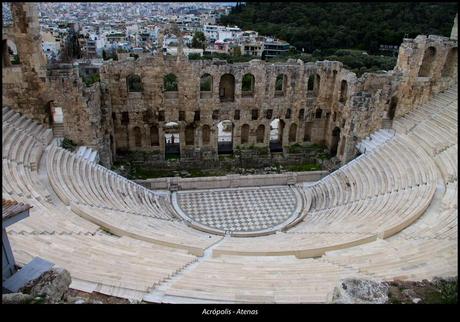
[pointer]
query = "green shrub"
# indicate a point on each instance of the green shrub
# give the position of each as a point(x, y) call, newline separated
point(92, 79)
point(68, 144)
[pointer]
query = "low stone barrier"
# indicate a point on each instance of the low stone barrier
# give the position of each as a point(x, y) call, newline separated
point(231, 181)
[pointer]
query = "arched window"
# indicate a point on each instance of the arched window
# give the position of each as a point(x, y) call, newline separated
point(206, 83)
point(225, 137)
point(311, 82)
point(280, 85)
point(137, 136)
point(307, 132)
point(227, 88)
point(318, 113)
point(189, 135)
point(124, 118)
point(147, 116)
point(427, 63)
point(206, 134)
point(451, 63)
point(288, 113)
point(260, 133)
point(10, 53)
point(134, 83)
point(392, 109)
point(317, 84)
point(170, 83)
point(206, 86)
point(335, 140)
point(292, 133)
point(247, 85)
point(244, 134)
point(343, 91)
point(154, 136)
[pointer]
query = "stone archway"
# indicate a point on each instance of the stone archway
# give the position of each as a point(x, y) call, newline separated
point(451, 63)
point(260, 134)
point(225, 137)
point(137, 137)
point(172, 140)
point(206, 135)
point(276, 135)
point(427, 63)
point(392, 108)
point(335, 138)
point(244, 134)
point(227, 88)
point(292, 133)
point(190, 134)
point(154, 136)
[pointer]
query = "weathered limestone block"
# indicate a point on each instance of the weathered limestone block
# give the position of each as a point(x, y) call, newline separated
point(52, 285)
point(16, 298)
point(360, 291)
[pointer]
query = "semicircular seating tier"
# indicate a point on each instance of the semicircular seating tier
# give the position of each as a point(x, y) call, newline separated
point(390, 213)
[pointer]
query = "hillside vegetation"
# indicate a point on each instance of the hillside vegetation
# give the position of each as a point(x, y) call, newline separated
point(338, 25)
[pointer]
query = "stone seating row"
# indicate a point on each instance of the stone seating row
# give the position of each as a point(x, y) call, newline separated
point(376, 195)
point(15, 120)
point(77, 180)
point(351, 224)
point(429, 246)
point(447, 162)
point(374, 140)
point(174, 234)
point(106, 264)
point(236, 279)
point(375, 214)
point(390, 167)
point(48, 219)
point(21, 153)
point(440, 222)
point(399, 258)
point(444, 112)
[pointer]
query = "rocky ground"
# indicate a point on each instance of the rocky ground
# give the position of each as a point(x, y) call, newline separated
point(444, 291)
point(79, 297)
point(358, 291)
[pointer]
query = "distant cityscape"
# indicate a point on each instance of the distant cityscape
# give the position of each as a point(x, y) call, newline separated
point(107, 30)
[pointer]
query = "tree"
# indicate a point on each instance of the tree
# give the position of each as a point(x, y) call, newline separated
point(199, 40)
point(326, 25)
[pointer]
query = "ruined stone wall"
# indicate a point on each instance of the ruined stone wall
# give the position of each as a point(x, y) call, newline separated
point(130, 108)
point(153, 106)
point(84, 114)
point(24, 85)
point(422, 77)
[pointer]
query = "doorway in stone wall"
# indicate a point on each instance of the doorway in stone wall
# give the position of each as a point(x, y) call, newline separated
point(172, 141)
point(225, 137)
point(335, 141)
point(276, 135)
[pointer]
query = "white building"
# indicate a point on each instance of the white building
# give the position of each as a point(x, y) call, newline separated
point(213, 32)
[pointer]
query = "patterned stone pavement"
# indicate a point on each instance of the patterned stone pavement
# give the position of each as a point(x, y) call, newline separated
point(239, 210)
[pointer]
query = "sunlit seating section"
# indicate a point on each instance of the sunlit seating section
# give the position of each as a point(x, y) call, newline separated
point(264, 279)
point(122, 267)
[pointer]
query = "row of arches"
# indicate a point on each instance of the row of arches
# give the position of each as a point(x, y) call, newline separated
point(429, 58)
point(225, 131)
point(225, 136)
point(226, 85)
